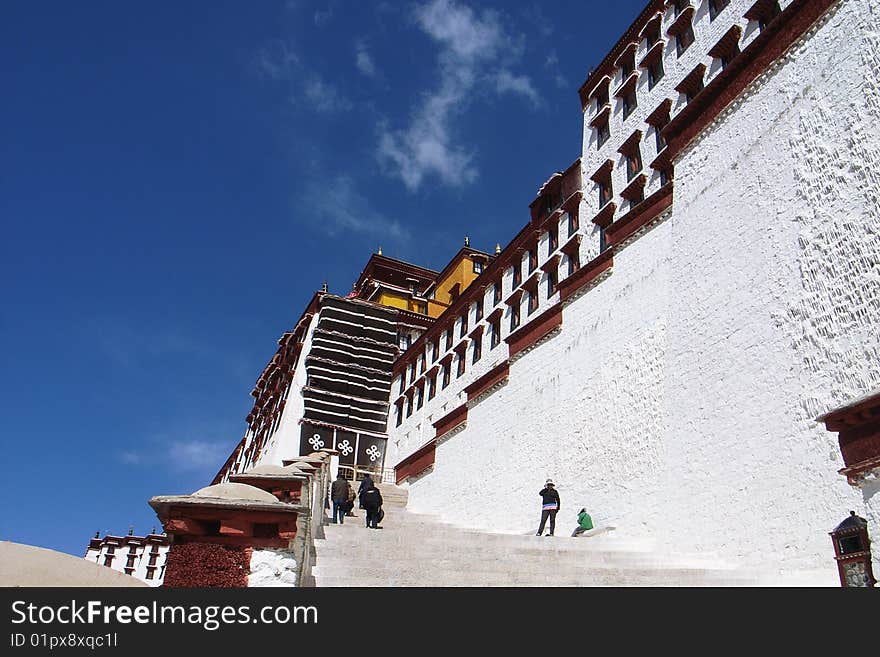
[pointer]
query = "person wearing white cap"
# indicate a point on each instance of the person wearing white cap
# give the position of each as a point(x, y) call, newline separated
point(549, 506)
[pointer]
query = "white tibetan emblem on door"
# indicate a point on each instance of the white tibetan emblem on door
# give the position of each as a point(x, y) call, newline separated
point(316, 441)
point(373, 452)
point(345, 447)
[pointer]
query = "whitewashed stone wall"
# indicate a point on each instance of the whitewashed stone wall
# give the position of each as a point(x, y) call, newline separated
point(679, 400)
point(272, 567)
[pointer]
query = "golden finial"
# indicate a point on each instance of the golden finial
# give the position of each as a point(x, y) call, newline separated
point(467, 241)
point(379, 251)
point(497, 248)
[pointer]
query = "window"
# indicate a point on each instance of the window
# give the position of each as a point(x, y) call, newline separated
point(680, 6)
point(574, 263)
point(421, 364)
point(628, 65)
point(478, 267)
point(602, 243)
point(573, 223)
point(435, 349)
point(464, 324)
point(449, 339)
point(496, 293)
point(652, 33)
point(420, 397)
point(150, 573)
point(129, 563)
point(602, 133)
point(421, 308)
point(636, 196)
point(399, 408)
point(684, 39)
point(407, 341)
point(602, 97)
point(108, 560)
point(514, 316)
point(409, 405)
point(478, 310)
point(517, 274)
point(478, 348)
point(460, 369)
point(552, 240)
point(605, 191)
point(633, 162)
point(552, 282)
point(412, 372)
point(727, 57)
point(692, 91)
point(660, 140)
point(629, 102)
point(111, 549)
point(432, 386)
point(665, 176)
point(496, 332)
point(767, 14)
point(533, 300)
point(533, 258)
point(153, 557)
point(445, 376)
point(655, 72)
point(716, 7)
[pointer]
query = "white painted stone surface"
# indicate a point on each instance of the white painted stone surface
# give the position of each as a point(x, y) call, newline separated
point(272, 567)
point(678, 401)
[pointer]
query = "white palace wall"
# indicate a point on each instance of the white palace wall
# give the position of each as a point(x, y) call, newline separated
point(678, 402)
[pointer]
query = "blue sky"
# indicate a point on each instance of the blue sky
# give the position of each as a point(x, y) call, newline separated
point(177, 179)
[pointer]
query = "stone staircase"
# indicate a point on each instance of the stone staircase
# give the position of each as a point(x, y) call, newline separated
point(420, 550)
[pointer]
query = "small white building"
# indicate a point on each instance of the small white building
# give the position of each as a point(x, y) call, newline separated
point(142, 557)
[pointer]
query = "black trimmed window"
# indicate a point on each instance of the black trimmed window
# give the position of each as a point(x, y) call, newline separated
point(517, 274)
point(603, 243)
point(420, 397)
point(552, 240)
point(409, 405)
point(655, 72)
point(766, 13)
point(449, 338)
point(478, 267)
point(603, 133)
point(573, 223)
point(496, 293)
point(478, 310)
point(445, 370)
point(399, 416)
point(532, 300)
point(552, 282)
point(478, 348)
point(633, 162)
point(463, 327)
point(495, 327)
point(432, 386)
point(574, 262)
point(461, 365)
point(606, 191)
point(716, 7)
point(684, 39)
point(514, 316)
point(533, 258)
point(630, 102)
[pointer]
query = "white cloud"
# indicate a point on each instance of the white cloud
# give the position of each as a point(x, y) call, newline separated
point(197, 455)
point(364, 61)
point(279, 61)
point(323, 16)
point(507, 82)
point(338, 207)
point(474, 48)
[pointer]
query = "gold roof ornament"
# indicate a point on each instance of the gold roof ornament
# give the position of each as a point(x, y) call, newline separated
point(379, 251)
point(467, 241)
point(497, 248)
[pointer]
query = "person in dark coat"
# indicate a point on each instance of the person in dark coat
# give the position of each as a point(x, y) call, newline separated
point(549, 507)
point(371, 500)
point(366, 482)
point(339, 496)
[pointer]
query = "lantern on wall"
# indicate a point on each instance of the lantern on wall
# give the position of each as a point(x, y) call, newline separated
point(852, 551)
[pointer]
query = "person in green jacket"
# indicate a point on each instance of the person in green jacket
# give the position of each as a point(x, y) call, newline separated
point(585, 523)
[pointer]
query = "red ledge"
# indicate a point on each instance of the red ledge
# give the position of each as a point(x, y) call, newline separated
point(573, 244)
point(489, 379)
point(767, 47)
point(630, 142)
point(601, 173)
point(586, 274)
point(627, 85)
point(605, 215)
point(535, 330)
point(655, 53)
point(451, 420)
point(551, 263)
point(662, 160)
point(495, 314)
point(601, 115)
point(657, 17)
point(681, 21)
point(632, 45)
point(515, 297)
point(416, 463)
point(640, 215)
point(572, 201)
point(634, 187)
point(660, 113)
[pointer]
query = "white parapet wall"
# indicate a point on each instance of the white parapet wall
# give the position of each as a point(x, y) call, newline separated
point(678, 402)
